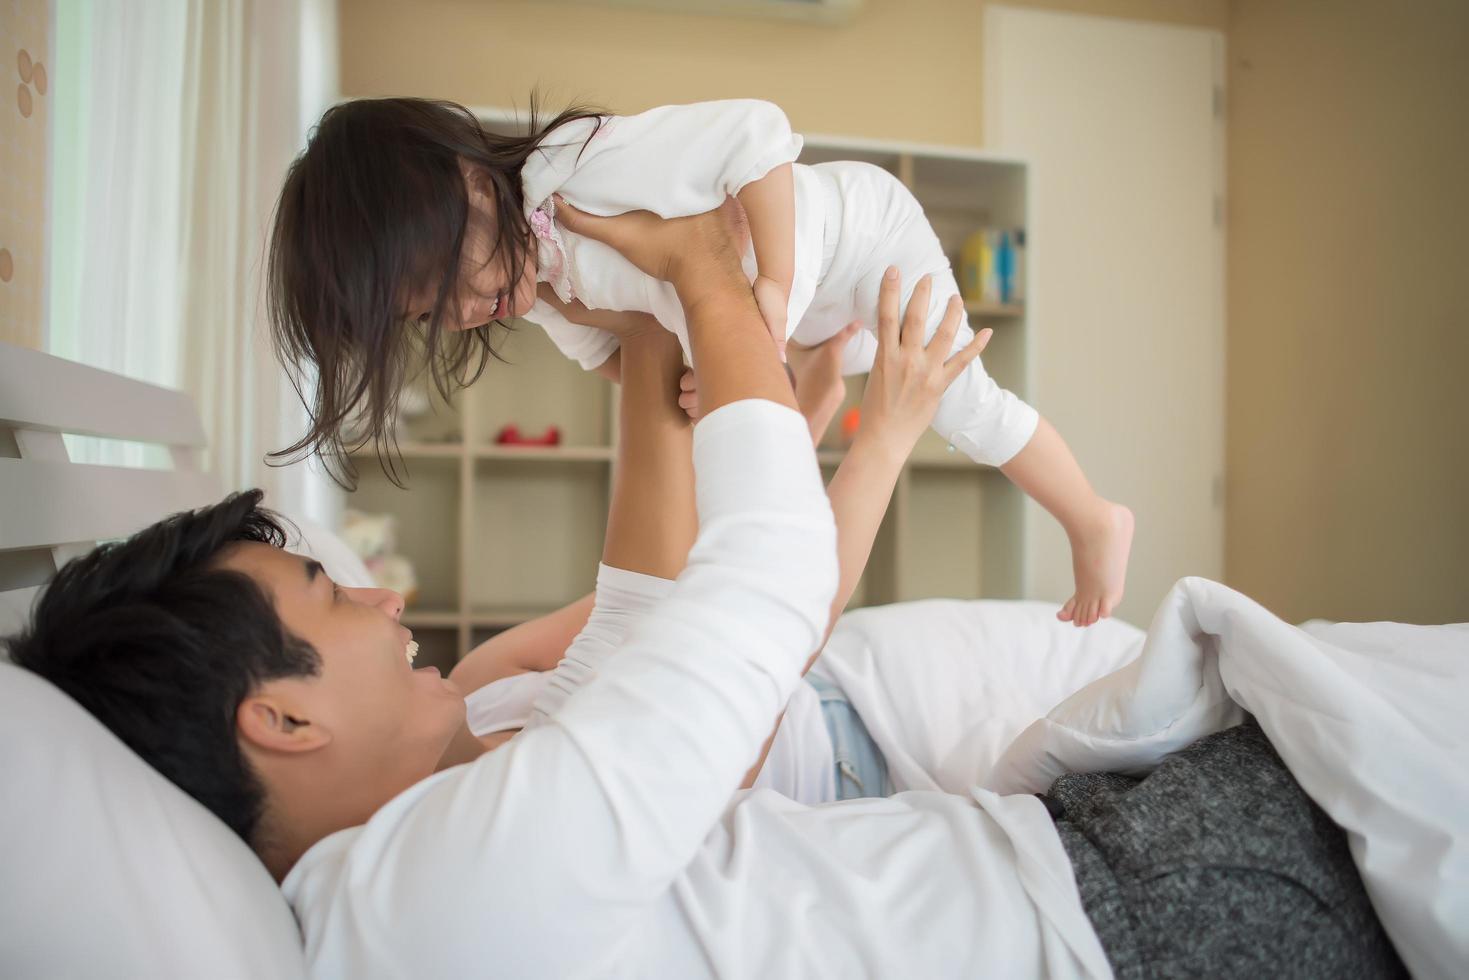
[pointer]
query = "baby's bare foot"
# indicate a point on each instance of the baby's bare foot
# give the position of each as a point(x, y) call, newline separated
point(1099, 563)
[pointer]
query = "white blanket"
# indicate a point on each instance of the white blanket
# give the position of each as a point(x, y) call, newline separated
point(1372, 719)
point(944, 685)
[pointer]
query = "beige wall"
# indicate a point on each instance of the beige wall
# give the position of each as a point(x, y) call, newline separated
point(24, 122)
point(1348, 442)
point(903, 69)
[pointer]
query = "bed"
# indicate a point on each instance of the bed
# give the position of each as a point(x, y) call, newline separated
point(110, 870)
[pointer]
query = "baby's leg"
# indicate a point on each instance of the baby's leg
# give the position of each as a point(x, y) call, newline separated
point(882, 224)
point(1099, 530)
point(993, 426)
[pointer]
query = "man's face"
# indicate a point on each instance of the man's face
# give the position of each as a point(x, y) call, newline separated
point(378, 720)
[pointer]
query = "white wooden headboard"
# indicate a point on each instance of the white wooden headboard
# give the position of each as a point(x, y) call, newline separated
point(52, 509)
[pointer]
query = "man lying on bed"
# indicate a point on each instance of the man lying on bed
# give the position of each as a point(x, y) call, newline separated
point(602, 840)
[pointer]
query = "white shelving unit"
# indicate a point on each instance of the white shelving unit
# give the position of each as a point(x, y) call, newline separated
point(501, 534)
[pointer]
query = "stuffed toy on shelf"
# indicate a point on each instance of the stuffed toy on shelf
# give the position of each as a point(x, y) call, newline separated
point(374, 538)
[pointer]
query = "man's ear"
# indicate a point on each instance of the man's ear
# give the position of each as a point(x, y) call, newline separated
point(271, 724)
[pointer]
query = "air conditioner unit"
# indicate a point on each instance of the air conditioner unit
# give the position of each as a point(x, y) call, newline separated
point(811, 11)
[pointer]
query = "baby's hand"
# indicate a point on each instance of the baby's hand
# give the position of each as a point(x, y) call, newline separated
point(688, 394)
point(772, 297)
point(816, 373)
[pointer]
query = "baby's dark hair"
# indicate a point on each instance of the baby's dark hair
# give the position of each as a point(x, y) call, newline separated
point(162, 645)
point(374, 209)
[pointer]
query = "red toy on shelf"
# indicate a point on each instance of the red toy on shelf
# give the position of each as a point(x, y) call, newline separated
point(509, 435)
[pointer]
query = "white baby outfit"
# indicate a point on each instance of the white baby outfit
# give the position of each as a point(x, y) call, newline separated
point(852, 221)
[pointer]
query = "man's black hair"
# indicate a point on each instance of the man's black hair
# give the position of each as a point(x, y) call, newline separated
point(162, 645)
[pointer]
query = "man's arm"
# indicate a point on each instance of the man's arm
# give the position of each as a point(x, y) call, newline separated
point(596, 812)
point(698, 256)
point(651, 523)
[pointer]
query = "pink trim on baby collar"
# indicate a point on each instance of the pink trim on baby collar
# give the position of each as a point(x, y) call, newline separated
point(540, 223)
point(552, 250)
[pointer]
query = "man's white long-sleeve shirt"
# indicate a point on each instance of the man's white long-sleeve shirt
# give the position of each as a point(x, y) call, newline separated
point(603, 841)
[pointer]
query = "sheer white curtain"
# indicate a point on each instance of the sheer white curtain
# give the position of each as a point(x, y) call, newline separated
point(180, 121)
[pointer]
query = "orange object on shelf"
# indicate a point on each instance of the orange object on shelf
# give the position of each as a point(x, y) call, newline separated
point(851, 419)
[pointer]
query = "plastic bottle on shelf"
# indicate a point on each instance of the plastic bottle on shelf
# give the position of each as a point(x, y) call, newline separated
point(1005, 268)
point(1017, 278)
point(976, 267)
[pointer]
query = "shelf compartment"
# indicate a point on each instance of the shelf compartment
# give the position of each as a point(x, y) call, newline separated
point(427, 517)
point(537, 387)
point(944, 553)
point(955, 184)
point(536, 533)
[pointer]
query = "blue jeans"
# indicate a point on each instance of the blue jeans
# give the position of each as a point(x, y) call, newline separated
point(861, 770)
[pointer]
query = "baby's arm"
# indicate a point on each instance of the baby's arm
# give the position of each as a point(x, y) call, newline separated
point(536, 644)
point(909, 377)
point(770, 210)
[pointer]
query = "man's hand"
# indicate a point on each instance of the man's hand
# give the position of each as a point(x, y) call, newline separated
point(700, 256)
point(686, 252)
point(908, 376)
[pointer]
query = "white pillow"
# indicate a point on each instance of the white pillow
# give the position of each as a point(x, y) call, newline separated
point(111, 870)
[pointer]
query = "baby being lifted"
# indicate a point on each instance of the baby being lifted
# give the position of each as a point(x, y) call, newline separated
point(822, 237)
point(407, 229)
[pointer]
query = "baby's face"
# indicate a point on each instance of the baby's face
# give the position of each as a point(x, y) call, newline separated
point(484, 290)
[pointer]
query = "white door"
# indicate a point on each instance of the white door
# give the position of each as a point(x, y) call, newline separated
point(1122, 123)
